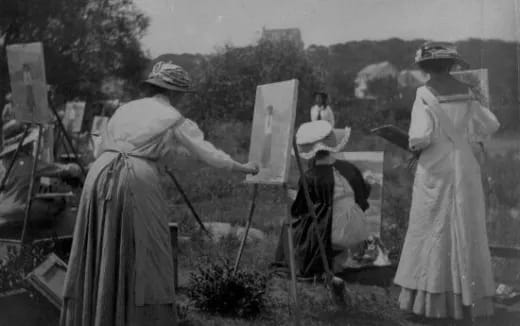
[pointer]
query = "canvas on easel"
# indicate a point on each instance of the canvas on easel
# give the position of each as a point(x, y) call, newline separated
point(271, 143)
point(28, 82)
point(73, 120)
point(272, 132)
point(47, 151)
point(477, 79)
point(98, 125)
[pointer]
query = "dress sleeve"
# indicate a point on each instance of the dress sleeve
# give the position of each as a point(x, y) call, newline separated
point(332, 120)
point(421, 126)
point(483, 123)
point(191, 137)
point(314, 113)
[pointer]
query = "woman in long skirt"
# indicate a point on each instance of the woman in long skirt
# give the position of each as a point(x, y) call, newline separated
point(120, 271)
point(445, 268)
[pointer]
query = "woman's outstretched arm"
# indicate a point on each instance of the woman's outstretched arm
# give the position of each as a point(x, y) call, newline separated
point(189, 135)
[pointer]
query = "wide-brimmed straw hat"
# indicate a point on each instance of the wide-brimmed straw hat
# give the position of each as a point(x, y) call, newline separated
point(168, 75)
point(316, 136)
point(439, 50)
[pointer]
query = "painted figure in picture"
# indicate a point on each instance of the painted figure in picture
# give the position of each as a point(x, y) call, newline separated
point(268, 137)
point(445, 268)
point(8, 111)
point(29, 91)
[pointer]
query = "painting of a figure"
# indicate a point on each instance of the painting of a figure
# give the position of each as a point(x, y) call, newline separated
point(371, 165)
point(74, 112)
point(28, 82)
point(47, 144)
point(273, 125)
point(268, 137)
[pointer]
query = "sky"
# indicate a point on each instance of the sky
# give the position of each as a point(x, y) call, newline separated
point(201, 26)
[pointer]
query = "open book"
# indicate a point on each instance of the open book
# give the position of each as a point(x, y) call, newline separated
point(394, 135)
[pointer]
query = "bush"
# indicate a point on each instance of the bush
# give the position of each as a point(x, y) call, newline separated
point(215, 289)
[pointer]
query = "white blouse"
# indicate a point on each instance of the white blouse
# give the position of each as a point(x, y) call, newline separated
point(322, 113)
point(152, 128)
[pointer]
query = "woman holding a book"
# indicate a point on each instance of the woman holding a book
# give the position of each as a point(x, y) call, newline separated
point(445, 268)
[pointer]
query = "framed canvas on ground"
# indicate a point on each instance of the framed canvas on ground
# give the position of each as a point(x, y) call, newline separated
point(371, 166)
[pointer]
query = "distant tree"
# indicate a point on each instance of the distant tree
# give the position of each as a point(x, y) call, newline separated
point(342, 62)
point(383, 89)
point(227, 80)
point(84, 41)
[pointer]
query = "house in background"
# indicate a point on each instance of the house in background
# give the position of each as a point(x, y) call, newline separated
point(292, 35)
point(382, 70)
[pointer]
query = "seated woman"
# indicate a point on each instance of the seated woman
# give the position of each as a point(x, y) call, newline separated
point(339, 195)
point(13, 197)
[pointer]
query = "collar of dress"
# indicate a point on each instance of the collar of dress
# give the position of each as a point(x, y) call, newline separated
point(162, 98)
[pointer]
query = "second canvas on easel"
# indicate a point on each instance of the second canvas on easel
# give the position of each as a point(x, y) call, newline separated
point(272, 131)
point(28, 82)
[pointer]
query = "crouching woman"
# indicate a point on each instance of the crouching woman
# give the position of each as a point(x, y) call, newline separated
point(339, 195)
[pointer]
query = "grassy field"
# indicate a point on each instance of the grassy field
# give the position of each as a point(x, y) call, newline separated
point(220, 196)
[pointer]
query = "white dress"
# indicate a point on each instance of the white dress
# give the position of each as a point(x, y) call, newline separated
point(349, 226)
point(323, 113)
point(120, 270)
point(445, 262)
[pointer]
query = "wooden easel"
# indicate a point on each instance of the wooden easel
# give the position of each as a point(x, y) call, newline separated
point(36, 157)
point(288, 218)
point(290, 243)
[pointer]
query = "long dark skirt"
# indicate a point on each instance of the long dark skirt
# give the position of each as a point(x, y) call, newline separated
point(100, 284)
point(306, 248)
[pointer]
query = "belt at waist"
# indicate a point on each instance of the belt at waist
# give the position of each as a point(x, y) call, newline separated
point(126, 155)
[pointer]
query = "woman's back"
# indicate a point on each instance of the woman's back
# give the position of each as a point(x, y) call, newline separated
point(458, 108)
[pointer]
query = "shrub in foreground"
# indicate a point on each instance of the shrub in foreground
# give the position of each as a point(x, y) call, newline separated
point(214, 288)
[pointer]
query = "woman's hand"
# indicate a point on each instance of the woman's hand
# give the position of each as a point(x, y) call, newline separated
point(73, 170)
point(412, 163)
point(248, 168)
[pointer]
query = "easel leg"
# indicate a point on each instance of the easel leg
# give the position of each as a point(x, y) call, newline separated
point(249, 221)
point(310, 206)
point(31, 185)
point(187, 201)
point(15, 156)
point(292, 264)
point(69, 141)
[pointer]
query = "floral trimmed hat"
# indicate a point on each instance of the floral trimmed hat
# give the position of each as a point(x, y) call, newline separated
point(439, 50)
point(170, 76)
point(313, 137)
